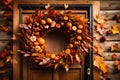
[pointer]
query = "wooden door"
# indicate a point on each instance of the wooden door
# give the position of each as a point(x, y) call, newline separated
point(29, 70)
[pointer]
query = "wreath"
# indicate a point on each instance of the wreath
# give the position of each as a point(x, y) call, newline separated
point(34, 32)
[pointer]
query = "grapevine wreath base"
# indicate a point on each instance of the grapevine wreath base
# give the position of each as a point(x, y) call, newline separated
point(34, 32)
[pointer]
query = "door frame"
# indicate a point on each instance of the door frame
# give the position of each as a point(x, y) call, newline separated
point(89, 8)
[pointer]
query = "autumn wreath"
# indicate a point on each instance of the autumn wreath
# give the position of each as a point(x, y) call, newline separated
point(35, 31)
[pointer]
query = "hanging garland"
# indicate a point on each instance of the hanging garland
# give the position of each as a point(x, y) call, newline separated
point(38, 25)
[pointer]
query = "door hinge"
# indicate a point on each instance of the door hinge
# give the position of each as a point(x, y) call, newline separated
point(88, 71)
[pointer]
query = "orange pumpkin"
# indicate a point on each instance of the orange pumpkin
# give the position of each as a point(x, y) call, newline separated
point(49, 20)
point(57, 25)
point(69, 24)
point(79, 31)
point(79, 37)
point(80, 26)
point(43, 22)
point(65, 18)
point(67, 51)
point(41, 41)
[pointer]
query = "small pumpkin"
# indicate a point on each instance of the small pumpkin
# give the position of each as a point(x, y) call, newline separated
point(80, 26)
point(43, 22)
point(41, 40)
point(67, 51)
point(49, 20)
point(65, 18)
point(69, 24)
point(57, 25)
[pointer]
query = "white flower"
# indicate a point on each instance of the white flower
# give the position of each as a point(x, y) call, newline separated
point(37, 48)
point(46, 26)
point(74, 28)
point(33, 38)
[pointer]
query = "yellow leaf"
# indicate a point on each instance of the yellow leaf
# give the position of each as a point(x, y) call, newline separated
point(104, 67)
point(77, 58)
point(66, 68)
point(35, 54)
point(115, 29)
point(8, 58)
point(114, 47)
point(56, 65)
point(99, 19)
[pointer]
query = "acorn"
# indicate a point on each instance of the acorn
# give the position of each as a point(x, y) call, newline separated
point(57, 25)
point(49, 20)
point(102, 39)
point(43, 22)
point(69, 24)
point(114, 56)
point(80, 26)
point(41, 41)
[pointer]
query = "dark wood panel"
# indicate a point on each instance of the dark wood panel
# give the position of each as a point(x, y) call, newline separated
point(40, 74)
point(73, 74)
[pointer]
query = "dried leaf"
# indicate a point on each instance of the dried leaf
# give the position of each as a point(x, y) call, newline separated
point(35, 54)
point(114, 47)
point(3, 28)
point(1, 63)
point(100, 29)
point(99, 50)
point(66, 67)
point(8, 58)
point(2, 71)
point(98, 60)
point(115, 29)
point(55, 67)
point(77, 57)
point(99, 19)
point(116, 63)
point(104, 67)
